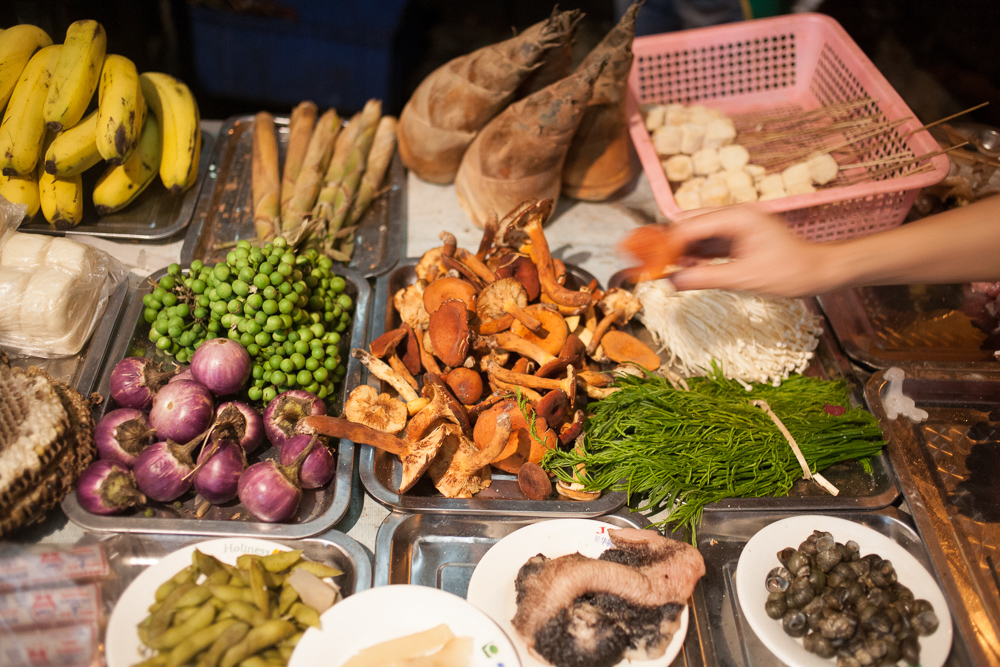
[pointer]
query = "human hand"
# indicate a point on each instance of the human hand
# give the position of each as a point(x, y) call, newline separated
point(768, 257)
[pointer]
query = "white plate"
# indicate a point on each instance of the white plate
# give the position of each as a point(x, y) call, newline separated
point(122, 640)
point(492, 585)
point(387, 612)
point(760, 556)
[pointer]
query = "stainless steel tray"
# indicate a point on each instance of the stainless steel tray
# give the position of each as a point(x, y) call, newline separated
point(442, 551)
point(859, 489)
point(130, 555)
point(82, 370)
point(948, 470)
point(224, 211)
point(154, 215)
point(910, 326)
point(381, 472)
point(719, 633)
point(320, 508)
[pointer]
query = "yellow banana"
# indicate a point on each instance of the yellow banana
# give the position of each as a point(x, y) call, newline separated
point(118, 186)
point(61, 199)
point(75, 77)
point(23, 129)
point(180, 125)
point(121, 110)
point(21, 190)
point(17, 44)
point(74, 151)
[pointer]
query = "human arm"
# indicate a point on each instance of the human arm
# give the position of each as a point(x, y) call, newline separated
point(960, 245)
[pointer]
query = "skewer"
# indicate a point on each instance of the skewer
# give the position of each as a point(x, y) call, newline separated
point(947, 118)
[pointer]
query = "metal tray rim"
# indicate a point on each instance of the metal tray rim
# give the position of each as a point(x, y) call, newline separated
point(395, 519)
point(607, 503)
point(834, 305)
point(397, 201)
point(343, 477)
point(942, 544)
point(188, 206)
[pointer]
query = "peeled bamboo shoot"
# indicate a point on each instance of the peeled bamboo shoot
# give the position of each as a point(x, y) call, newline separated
point(264, 177)
point(455, 101)
point(520, 154)
point(600, 161)
point(310, 177)
point(300, 128)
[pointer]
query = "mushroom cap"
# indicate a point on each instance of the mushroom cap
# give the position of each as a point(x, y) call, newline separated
point(409, 303)
point(452, 469)
point(622, 347)
point(418, 458)
point(430, 267)
point(446, 288)
point(490, 303)
point(383, 412)
point(442, 407)
point(521, 446)
point(411, 350)
point(449, 332)
point(551, 337)
point(621, 300)
point(523, 270)
point(466, 384)
point(386, 344)
point(534, 482)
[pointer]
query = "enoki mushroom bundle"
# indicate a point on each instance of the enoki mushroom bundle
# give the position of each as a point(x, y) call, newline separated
point(751, 338)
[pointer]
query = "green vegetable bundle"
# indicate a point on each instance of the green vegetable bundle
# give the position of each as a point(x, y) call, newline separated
point(681, 450)
point(287, 309)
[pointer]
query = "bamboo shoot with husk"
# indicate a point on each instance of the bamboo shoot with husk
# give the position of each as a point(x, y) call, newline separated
point(300, 128)
point(379, 159)
point(310, 177)
point(335, 199)
point(520, 154)
point(557, 61)
point(455, 101)
point(600, 162)
point(266, 185)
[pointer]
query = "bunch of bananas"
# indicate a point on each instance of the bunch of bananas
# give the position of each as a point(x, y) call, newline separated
point(48, 139)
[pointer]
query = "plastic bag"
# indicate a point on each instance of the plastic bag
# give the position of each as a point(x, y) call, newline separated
point(53, 604)
point(53, 290)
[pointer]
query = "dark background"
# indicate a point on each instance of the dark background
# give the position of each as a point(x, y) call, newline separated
point(240, 56)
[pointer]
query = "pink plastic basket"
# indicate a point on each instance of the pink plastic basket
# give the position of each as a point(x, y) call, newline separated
point(786, 64)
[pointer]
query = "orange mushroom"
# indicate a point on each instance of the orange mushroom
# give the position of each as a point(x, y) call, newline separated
point(624, 348)
point(552, 333)
point(449, 332)
point(446, 288)
point(521, 446)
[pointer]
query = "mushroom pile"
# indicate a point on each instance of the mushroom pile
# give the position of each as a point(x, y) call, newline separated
point(492, 362)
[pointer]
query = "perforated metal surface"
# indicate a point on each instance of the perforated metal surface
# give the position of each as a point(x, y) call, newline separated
point(948, 467)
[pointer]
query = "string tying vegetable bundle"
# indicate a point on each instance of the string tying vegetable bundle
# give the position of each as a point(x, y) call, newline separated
point(681, 450)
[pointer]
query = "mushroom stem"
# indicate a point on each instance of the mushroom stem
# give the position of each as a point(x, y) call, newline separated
point(501, 434)
point(467, 273)
point(532, 220)
point(597, 393)
point(475, 265)
point(501, 323)
point(413, 407)
point(529, 394)
point(514, 343)
point(426, 358)
point(595, 379)
point(335, 427)
point(522, 316)
point(601, 329)
point(384, 372)
point(485, 404)
point(450, 244)
point(497, 371)
point(397, 365)
point(489, 233)
point(571, 430)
